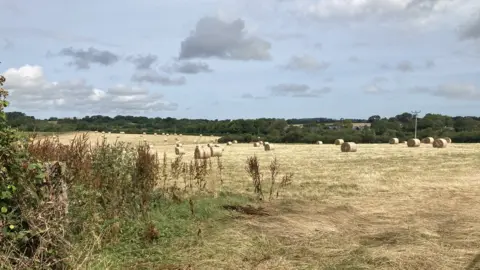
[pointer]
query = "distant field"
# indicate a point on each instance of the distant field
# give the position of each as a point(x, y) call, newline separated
point(383, 207)
point(156, 141)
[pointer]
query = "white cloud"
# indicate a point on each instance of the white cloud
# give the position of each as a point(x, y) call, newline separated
point(418, 12)
point(463, 91)
point(31, 91)
point(305, 63)
point(376, 87)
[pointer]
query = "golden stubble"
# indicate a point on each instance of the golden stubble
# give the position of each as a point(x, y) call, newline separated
point(383, 207)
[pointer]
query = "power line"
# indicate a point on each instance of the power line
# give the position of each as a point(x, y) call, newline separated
point(415, 113)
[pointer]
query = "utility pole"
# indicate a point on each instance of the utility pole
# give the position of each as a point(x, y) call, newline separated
point(415, 114)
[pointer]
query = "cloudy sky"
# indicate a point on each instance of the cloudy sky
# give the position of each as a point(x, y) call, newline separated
point(220, 59)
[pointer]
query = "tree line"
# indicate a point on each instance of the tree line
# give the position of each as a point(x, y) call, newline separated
point(375, 129)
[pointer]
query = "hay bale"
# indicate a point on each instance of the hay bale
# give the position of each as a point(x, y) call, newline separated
point(154, 134)
point(202, 152)
point(165, 140)
point(348, 147)
point(216, 151)
point(256, 144)
point(179, 150)
point(229, 143)
point(103, 132)
point(144, 133)
point(448, 139)
point(109, 132)
point(180, 135)
point(413, 143)
point(163, 133)
point(268, 147)
point(235, 141)
point(428, 140)
point(319, 142)
point(394, 141)
point(261, 142)
point(339, 141)
point(440, 143)
point(122, 132)
point(178, 144)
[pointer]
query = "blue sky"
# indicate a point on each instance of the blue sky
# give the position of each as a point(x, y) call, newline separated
point(221, 59)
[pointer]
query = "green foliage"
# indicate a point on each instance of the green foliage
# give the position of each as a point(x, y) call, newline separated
point(308, 130)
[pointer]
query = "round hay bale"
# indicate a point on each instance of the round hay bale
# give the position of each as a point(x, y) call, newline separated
point(268, 147)
point(165, 140)
point(122, 132)
point(393, 141)
point(201, 135)
point(235, 141)
point(109, 132)
point(179, 150)
point(167, 134)
point(440, 143)
point(256, 144)
point(448, 139)
point(339, 141)
point(428, 140)
point(144, 133)
point(178, 144)
point(319, 142)
point(163, 133)
point(348, 147)
point(103, 132)
point(96, 131)
point(216, 151)
point(202, 152)
point(413, 143)
point(144, 140)
point(229, 143)
point(180, 135)
point(154, 134)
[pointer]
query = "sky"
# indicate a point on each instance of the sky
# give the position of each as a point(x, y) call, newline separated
point(230, 59)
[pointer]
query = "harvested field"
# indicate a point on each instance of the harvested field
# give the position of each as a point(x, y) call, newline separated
point(383, 207)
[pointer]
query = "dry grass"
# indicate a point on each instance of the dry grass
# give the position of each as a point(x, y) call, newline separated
point(383, 207)
point(156, 141)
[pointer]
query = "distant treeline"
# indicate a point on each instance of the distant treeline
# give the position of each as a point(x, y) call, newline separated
point(375, 129)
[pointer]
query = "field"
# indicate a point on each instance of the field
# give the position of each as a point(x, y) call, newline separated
point(383, 207)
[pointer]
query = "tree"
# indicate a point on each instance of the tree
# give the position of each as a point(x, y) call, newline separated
point(374, 118)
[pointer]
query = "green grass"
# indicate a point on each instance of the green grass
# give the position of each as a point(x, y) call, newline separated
point(177, 228)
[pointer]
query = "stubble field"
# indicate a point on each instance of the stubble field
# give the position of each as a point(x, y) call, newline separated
point(383, 207)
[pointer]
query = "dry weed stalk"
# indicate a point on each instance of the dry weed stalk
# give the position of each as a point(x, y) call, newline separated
point(176, 169)
point(165, 171)
point(201, 172)
point(220, 169)
point(253, 169)
point(286, 181)
point(274, 170)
